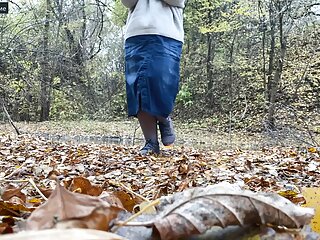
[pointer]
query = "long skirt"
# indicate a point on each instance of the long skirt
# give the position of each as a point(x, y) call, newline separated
point(152, 74)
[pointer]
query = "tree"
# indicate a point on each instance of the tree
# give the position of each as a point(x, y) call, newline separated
point(46, 79)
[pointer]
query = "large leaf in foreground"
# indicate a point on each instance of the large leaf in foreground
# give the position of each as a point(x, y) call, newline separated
point(70, 210)
point(196, 210)
point(63, 234)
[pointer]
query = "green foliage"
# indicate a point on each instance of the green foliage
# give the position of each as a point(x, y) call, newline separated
point(184, 96)
point(119, 13)
point(62, 108)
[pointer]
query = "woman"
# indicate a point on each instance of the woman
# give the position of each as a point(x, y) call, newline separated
point(153, 44)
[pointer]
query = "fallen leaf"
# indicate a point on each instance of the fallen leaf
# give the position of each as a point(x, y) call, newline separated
point(63, 234)
point(312, 196)
point(5, 228)
point(35, 200)
point(8, 220)
point(46, 192)
point(5, 152)
point(196, 210)
point(312, 149)
point(292, 193)
point(256, 233)
point(127, 200)
point(64, 205)
point(13, 192)
point(265, 169)
point(98, 220)
point(111, 199)
point(14, 206)
point(83, 185)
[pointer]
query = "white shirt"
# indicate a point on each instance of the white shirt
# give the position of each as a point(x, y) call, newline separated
point(160, 17)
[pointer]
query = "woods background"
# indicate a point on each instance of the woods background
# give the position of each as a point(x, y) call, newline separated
point(247, 64)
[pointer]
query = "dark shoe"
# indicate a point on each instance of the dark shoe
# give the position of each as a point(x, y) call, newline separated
point(167, 132)
point(150, 148)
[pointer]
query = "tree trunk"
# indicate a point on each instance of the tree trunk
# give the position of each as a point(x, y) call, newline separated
point(230, 84)
point(265, 87)
point(272, 49)
point(210, 56)
point(278, 72)
point(45, 70)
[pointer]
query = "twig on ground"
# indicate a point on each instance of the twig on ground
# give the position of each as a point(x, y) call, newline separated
point(146, 208)
point(15, 171)
point(133, 193)
point(37, 189)
point(134, 224)
point(13, 181)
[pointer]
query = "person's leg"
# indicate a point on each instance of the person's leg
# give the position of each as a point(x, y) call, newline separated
point(148, 124)
point(168, 135)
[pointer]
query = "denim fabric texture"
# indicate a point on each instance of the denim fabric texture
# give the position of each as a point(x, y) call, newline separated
point(152, 74)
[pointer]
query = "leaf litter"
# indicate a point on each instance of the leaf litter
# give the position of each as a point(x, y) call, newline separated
point(101, 180)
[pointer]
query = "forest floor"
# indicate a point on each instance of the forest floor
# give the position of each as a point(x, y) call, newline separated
point(104, 153)
point(195, 134)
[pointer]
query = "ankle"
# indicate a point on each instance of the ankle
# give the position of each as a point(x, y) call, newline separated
point(163, 119)
point(153, 141)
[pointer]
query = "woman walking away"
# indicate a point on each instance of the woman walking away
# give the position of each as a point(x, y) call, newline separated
point(153, 44)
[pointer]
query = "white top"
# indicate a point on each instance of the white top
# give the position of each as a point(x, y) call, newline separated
point(160, 17)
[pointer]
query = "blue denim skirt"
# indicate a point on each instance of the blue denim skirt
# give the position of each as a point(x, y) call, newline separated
point(152, 74)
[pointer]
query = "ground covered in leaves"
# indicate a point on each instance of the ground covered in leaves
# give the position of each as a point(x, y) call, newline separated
point(29, 167)
point(197, 134)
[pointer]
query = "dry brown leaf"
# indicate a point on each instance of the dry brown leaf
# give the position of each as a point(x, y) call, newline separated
point(196, 210)
point(45, 191)
point(8, 220)
point(53, 174)
point(98, 220)
point(83, 185)
point(14, 206)
point(64, 205)
point(127, 200)
point(5, 228)
point(13, 192)
point(63, 234)
point(17, 201)
point(111, 199)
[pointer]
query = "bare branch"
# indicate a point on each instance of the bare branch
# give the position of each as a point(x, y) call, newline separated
point(9, 118)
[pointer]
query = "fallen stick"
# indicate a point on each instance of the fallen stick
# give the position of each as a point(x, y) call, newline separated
point(9, 118)
point(30, 180)
point(37, 189)
point(134, 193)
point(14, 172)
point(146, 208)
point(13, 181)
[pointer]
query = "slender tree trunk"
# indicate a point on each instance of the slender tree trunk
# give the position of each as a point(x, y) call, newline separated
point(263, 28)
point(210, 56)
point(230, 84)
point(264, 65)
point(278, 72)
point(272, 49)
point(270, 84)
point(45, 70)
